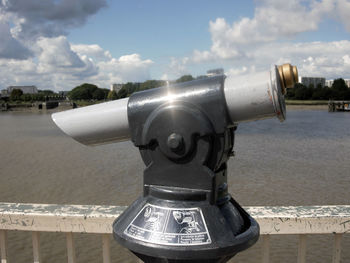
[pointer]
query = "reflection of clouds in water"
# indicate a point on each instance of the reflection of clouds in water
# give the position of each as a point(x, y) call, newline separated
point(300, 124)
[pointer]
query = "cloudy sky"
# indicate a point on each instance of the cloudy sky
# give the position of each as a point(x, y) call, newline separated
point(59, 44)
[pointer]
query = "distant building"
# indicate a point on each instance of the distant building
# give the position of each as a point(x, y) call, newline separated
point(329, 82)
point(25, 89)
point(116, 87)
point(306, 81)
point(347, 82)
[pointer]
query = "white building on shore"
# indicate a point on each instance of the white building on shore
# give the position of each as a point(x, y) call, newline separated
point(4, 93)
point(329, 82)
point(347, 82)
point(315, 81)
point(24, 89)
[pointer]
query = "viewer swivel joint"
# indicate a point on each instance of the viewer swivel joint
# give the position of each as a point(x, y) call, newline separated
point(185, 133)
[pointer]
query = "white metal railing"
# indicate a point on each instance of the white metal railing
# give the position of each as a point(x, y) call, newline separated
point(300, 220)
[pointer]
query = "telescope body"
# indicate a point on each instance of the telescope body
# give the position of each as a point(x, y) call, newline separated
point(185, 134)
point(247, 98)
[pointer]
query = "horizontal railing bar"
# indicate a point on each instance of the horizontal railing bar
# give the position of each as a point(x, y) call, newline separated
point(99, 219)
point(58, 218)
point(302, 219)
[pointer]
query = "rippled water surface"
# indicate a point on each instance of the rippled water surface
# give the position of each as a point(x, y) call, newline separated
point(303, 161)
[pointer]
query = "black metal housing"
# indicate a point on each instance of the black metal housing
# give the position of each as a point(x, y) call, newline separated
point(185, 214)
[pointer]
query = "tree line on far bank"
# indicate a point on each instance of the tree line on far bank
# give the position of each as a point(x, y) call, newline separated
point(338, 91)
point(17, 95)
point(90, 92)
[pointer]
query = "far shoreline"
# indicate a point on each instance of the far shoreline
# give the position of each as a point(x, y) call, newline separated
point(306, 107)
point(290, 107)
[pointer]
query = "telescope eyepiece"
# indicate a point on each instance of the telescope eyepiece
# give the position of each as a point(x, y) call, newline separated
point(288, 75)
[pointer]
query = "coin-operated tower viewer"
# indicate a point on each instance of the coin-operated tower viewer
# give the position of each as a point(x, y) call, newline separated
point(185, 134)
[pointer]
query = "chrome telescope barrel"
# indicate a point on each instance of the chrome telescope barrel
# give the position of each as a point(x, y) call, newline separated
point(96, 124)
point(260, 95)
point(248, 98)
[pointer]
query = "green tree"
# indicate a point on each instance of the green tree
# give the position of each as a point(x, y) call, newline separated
point(319, 86)
point(291, 92)
point(26, 97)
point(16, 94)
point(46, 92)
point(122, 93)
point(301, 92)
point(38, 97)
point(345, 94)
point(83, 92)
point(339, 90)
point(105, 93)
point(130, 88)
point(321, 93)
point(112, 95)
point(339, 84)
point(98, 94)
point(184, 78)
point(151, 84)
point(309, 92)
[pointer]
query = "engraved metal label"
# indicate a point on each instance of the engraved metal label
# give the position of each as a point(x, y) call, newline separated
point(169, 226)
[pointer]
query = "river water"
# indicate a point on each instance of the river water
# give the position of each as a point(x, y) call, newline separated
point(302, 161)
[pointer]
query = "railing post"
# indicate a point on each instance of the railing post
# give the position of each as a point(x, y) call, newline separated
point(70, 248)
point(106, 248)
point(337, 248)
point(266, 249)
point(3, 246)
point(302, 249)
point(36, 247)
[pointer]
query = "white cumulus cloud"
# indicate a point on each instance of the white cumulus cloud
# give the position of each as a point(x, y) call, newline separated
point(49, 18)
point(269, 38)
point(59, 65)
point(273, 20)
point(94, 51)
point(327, 59)
point(34, 49)
point(128, 68)
point(10, 47)
point(343, 11)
